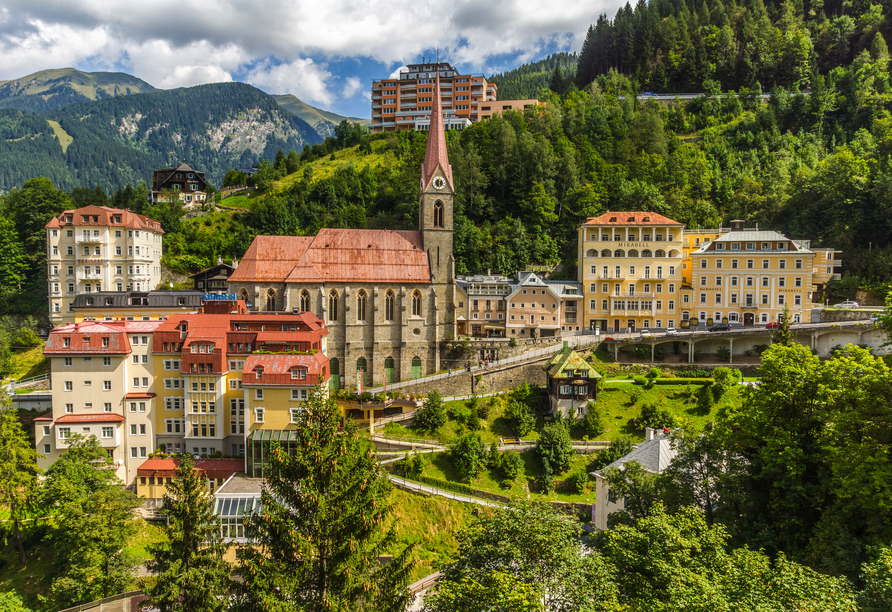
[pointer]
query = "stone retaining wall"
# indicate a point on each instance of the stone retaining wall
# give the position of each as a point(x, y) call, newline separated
point(833, 316)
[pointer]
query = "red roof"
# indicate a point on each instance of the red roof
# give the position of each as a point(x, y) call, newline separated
point(91, 418)
point(277, 369)
point(87, 337)
point(436, 154)
point(46, 417)
point(336, 255)
point(139, 395)
point(101, 216)
point(631, 218)
point(165, 467)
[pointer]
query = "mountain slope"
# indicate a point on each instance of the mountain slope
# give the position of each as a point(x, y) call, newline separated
point(120, 140)
point(323, 121)
point(49, 89)
point(524, 82)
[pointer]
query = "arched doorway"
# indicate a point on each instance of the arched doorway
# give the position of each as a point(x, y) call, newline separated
point(749, 318)
point(389, 370)
point(335, 382)
point(362, 371)
point(416, 367)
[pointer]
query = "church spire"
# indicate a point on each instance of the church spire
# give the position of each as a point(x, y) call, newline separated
point(436, 154)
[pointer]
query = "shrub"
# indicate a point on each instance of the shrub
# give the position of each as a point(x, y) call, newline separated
point(468, 455)
point(634, 397)
point(640, 380)
point(511, 464)
point(619, 447)
point(682, 381)
point(659, 353)
point(506, 484)
point(494, 459)
point(725, 379)
point(472, 420)
point(26, 337)
point(723, 353)
point(656, 416)
point(432, 415)
point(554, 448)
point(642, 352)
point(592, 424)
point(520, 417)
point(482, 408)
point(760, 348)
point(578, 480)
point(654, 373)
point(512, 342)
point(707, 398)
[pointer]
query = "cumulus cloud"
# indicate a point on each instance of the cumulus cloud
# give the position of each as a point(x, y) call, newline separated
point(284, 46)
point(353, 85)
point(302, 78)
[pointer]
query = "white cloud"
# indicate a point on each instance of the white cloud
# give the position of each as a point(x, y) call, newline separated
point(186, 42)
point(303, 78)
point(352, 86)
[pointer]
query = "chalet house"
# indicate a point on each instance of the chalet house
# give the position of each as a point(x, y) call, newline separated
point(215, 279)
point(571, 382)
point(181, 184)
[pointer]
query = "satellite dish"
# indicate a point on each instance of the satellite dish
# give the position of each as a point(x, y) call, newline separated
point(196, 456)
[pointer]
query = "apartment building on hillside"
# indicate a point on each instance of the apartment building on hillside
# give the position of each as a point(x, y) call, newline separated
point(200, 383)
point(95, 249)
point(405, 103)
point(181, 184)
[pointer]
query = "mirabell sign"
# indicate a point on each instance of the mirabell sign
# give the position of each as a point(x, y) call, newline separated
point(219, 297)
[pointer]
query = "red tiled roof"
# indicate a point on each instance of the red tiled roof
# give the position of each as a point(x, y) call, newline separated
point(139, 395)
point(436, 154)
point(336, 255)
point(46, 417)
point(129, 220)
point(86, 338)
point(277, 369)
point(631, 218)
point(165, 467)
point(91, 418)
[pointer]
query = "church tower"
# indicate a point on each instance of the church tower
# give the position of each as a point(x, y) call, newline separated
point(436, 194)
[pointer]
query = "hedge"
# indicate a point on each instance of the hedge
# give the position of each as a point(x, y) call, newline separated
point(683, 381)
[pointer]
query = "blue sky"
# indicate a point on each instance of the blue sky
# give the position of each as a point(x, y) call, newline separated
point(326, 52)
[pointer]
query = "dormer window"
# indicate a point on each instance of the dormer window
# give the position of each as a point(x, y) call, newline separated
point(646, 220)
point(258, 372)
point(299, 373)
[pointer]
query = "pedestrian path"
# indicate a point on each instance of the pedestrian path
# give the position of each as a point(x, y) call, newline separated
point(422, 488)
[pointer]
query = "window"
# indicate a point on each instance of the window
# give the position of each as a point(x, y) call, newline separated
point(67, 360)
point(388, 306)
point(360, 305)
point(46, 449)
point(106, 407)
point(438, 214)
point(64, 433)
point(781, 282)
point(797, 282)
point(797, 300)
point(299, 395)
point(764, 264)
point(258, 394)
point(416, 304)
point(106, 385)
point(69, 386)
point(258, 415)
point(798, 264)
point(333, 305)
point(304, 301)
point(69, 408)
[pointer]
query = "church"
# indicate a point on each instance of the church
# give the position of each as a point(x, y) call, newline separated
point(387, 296)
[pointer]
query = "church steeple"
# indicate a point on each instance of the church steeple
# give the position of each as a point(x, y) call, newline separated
point(436, 154)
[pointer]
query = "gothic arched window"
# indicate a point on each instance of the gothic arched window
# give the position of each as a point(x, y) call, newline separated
point(360, 305)
point(388, 306)
point(333, 305)
point(304, 301)
point(271, 300)
point(416, 304)
point(438, 214)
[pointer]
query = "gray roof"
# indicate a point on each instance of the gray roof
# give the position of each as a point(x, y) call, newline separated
point(239, 484)
point(798, 246)
point(565, 288)
point(122, 299)
point(654, 455)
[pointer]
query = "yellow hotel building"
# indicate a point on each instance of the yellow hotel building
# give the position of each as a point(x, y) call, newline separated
point(630, 269)
point(644, 271)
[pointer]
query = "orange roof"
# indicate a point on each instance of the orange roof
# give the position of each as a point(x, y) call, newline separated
point(139, 395)
point(105, 417)
point(337, 256)
point(99, 216)
point(282, 364)
point(87, 337)
point(631, 218)
point(166, 467)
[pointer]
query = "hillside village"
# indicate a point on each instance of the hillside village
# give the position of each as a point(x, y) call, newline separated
point(536, 341)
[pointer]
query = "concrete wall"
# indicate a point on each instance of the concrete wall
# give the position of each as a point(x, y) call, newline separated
point(831, 316)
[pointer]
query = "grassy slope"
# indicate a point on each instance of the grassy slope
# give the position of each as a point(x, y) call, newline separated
point(430, 522)
point(85, 83)
point(325, 167)
point(64, 138)
point(26, 364)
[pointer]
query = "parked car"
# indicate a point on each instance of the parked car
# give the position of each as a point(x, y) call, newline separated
point(721, 327)
point(773, 325)
point(645, 333)
point(671, 332)
point(847, 304)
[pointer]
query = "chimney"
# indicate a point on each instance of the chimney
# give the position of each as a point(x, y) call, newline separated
point(737, 225)
point(649, 433)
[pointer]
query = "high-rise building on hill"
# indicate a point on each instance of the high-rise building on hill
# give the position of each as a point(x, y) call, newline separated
point(406, 103)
